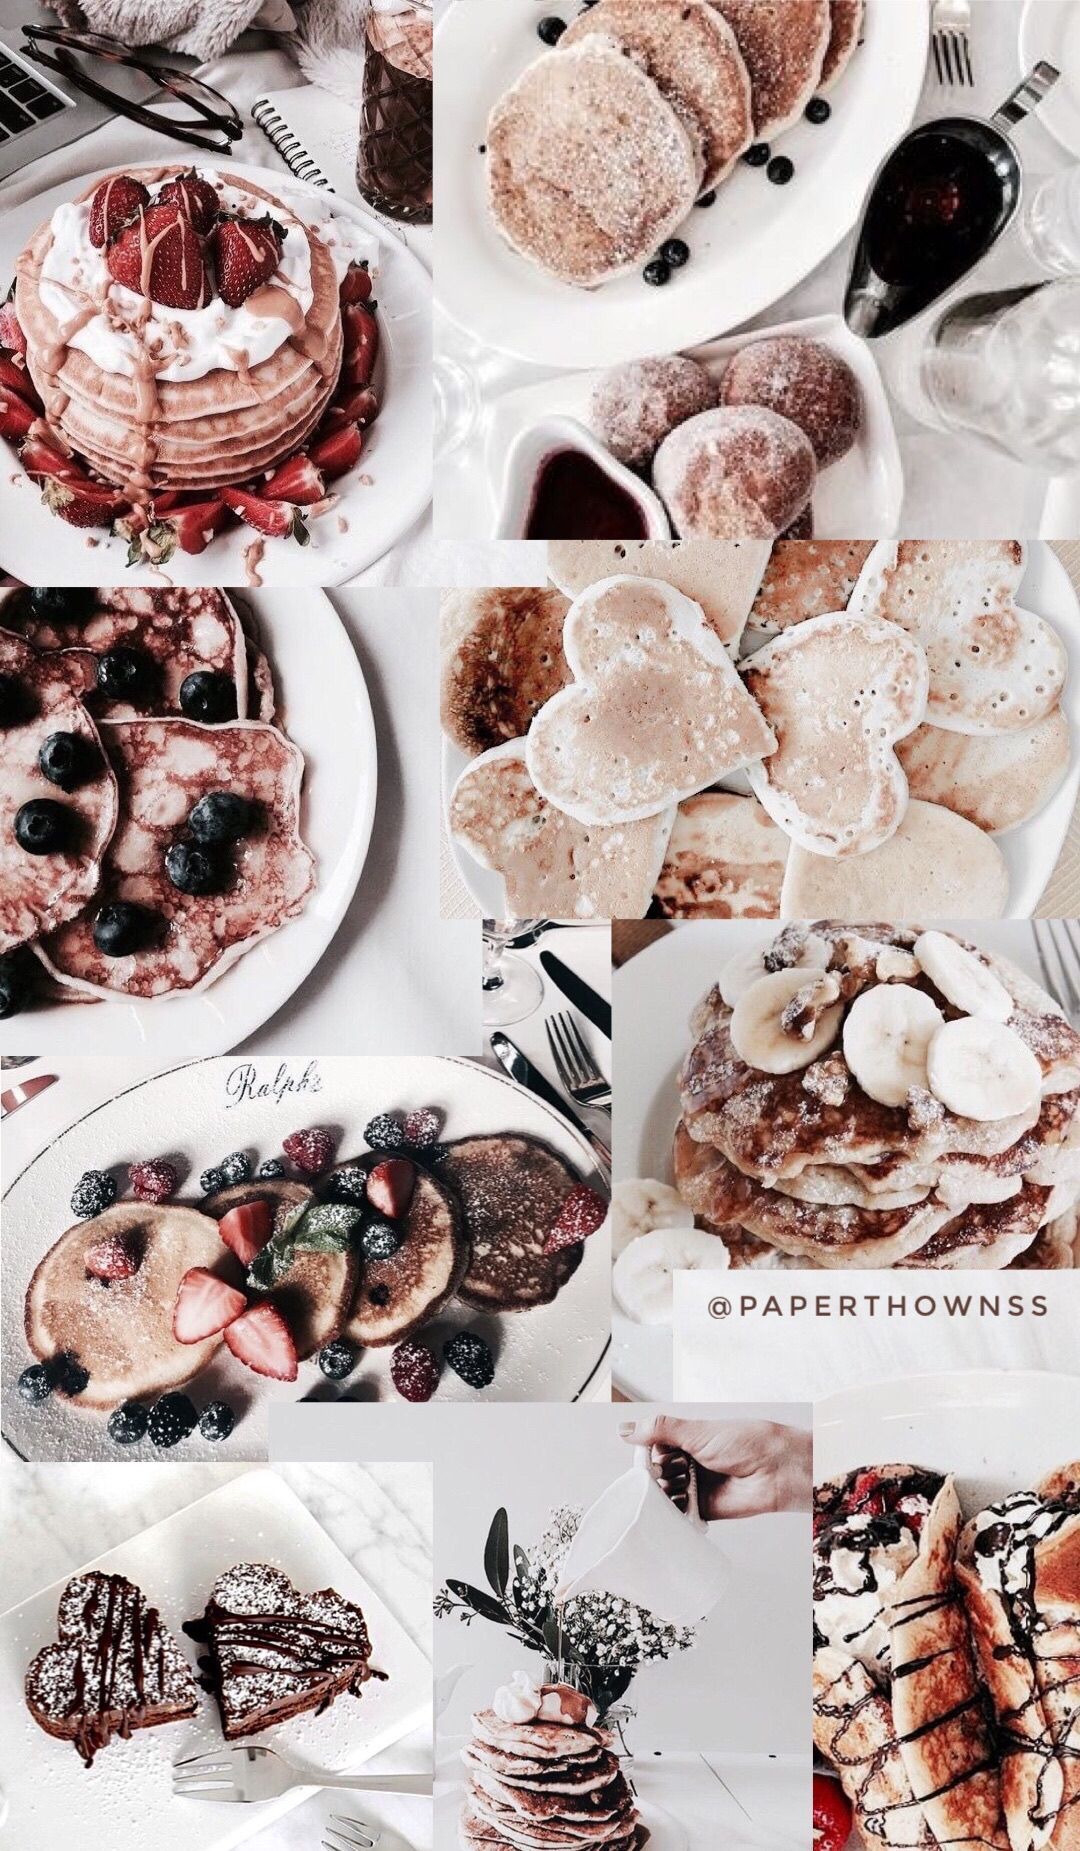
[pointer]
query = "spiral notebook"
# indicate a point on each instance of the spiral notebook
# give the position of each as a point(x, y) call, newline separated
point(314, 133)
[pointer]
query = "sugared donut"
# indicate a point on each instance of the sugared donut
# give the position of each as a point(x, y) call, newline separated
point(634, 407)
point(735, 473)
point(803, 381)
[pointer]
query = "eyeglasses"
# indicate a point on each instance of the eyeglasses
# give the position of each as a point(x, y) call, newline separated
point(212, 110)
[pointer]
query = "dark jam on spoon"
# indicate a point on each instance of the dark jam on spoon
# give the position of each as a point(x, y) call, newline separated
point(574, 499)
point(935, 210)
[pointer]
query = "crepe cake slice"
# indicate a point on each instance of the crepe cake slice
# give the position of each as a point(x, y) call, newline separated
point(722, 576)
point(501, 658)
point(163, 768)
point(39, 891)
point(784, 48)
point(996, 783)
point(315, 1295)
point(174, 633)
point(993, 666)
point(936, 865)
point(589, 167)
point(693, 56)
point(397, 1296)
point(807, 578)
point(656, 711)
point(854, 1730)
point(725, 860)
point(115, 1667)
point(273, 1652)
point(552, 866)
point(511, 1189)
point(121, 1329)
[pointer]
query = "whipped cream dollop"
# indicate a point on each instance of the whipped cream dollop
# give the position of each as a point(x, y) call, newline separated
point(524, 1700)
point(857, 1582)
point(193, 342)
point(1006, 1536)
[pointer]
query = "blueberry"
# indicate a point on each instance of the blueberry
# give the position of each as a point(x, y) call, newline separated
point(128, 1423)
point(818, 110)
point(36, 1383)
point(68, 1375)
point(221, 816)
point(346, 1185)
point(14, 984)
point(551, 29)
point(195, 870)
point(208, 697)
point(380, 1240)
point(236, 1167)
point(94, 1192)
point(470, 1358)
point(675, 252)
point(657, 273)
point(123, 674)
point(16, 702)
point(171, 1420)
point(53, 602)
point(43, 827)
point(758, 155)
point(379, 1295)
point(272, 1167)
point(781, 170)
point(121, 929)
point(67, 760)
point(337, 1360)
point(707, 199)
point(217, 1421)
point(211, 1181)
point(385, 1132)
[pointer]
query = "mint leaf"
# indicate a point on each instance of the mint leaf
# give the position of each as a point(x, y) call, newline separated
point(327, 1227)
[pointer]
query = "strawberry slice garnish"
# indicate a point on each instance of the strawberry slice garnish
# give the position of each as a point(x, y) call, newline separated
point(277, 519)
point(246, 252)
point(390, 1186)
point(116, 201)
point(16, 379)
point(11, 334)
point(359, 406)
point(356, 284)
point(337, 451)
point(204, 1305)
point(16, 416)
point(158, 254)
point(246, 1230)
point(297, 480)
point(263, 1340)
point(196, 199)
point(361, 332)
point(39, 458)
point(80, 502)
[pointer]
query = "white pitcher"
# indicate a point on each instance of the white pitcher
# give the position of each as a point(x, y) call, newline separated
point(634, 1542)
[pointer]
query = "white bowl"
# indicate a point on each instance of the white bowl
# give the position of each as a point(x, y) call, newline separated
point(526, 457)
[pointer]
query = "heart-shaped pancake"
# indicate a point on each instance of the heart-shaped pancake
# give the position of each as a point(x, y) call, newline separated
point(656, 710)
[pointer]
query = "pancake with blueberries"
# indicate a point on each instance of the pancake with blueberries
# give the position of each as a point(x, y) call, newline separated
point(410, 1266)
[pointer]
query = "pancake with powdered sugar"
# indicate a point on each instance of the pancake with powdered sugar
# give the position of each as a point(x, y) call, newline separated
point(511, 1189)
point(785, 49)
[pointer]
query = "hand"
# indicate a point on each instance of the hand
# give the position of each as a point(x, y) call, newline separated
point(745, 1468)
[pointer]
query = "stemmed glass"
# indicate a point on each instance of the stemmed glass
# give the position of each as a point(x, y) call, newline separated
point(512, 988)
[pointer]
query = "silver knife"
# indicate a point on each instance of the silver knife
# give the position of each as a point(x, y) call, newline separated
point(578, 992)
point(21, 1093)
point(521, 1069)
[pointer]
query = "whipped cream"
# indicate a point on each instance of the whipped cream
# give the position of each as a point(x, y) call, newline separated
point(524, 1700)
point(1005, 1538)
point(193, 342)
point(862, 1578)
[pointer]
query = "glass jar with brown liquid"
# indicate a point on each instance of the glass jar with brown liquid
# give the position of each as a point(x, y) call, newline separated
point(394, 163)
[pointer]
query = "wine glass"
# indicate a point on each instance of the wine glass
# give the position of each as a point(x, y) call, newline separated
point(512, 988)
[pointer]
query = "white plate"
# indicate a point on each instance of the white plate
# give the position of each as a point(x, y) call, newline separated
point(1050, 29)
point(862, 494)
point(199, 1113)
point(324, 702)
point(36, 545)
point(124, 1802)
point(654, 995)
point(748, 250)
point(1031, 851)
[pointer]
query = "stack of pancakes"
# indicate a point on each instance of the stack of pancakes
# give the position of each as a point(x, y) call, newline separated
point(805, 1163)
point(544, 1786)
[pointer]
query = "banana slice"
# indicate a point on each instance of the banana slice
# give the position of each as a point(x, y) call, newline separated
point(643, 1276)
point(746, 967)
point(640, 1205)
point(962, 980)
point(886, 1036)
point(982, 1070)
point(758, 1036)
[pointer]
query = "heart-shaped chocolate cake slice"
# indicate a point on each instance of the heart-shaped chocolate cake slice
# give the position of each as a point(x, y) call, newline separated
point(115, 1667)
point(273, 1653)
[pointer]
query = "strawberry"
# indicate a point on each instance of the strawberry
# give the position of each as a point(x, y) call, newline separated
point(40, 459)
point(190, 526)
point(11, 334)
point(16, 379)
point(153, 1181)
point(161, 241)
point(832, 1814)
point(338, 451)
point(361, 332)
point(204, 1305)
point(580, 1215)
point(277, 519)
point(310, 1151)
point(80, 502)
point(263, 1340)
point(246, 252)
point(113, 1257)
point(16, 416)
point(196, 199)
point(359, 405)
point(414, 1371)
point(390, 1186)
point(116, 201)
point(246, 1230)
point(357, 283)
point(296, 480)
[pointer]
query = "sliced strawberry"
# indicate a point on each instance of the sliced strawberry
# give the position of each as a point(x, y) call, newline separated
point(196, 199)
point(81, 503)
point(158, 254)
point(16, 416)
point(190, 526)
point(390, 1186)
point(297, 480)
point(263, 1340)
point(277, 519)
point(832, 1814)
point(116, 201)
point(246, 1230)
point(11, 334)
point(204, 1305)
point(357, 283)
point(113, 1257)
point(16, 379)
point(39, 458)
point(580, 1215)
point(338, 451)
point(246, 252)
point(361, 332)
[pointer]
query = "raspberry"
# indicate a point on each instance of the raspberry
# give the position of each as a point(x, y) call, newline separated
point(310, 1151)
point(154, 1181)
point(414, 1371)
point(171, 1420)
point(236, 1167)
point(111, 1258)
point(470, 1358)
point(271, 1168)
point(385, 1132)
point(93, 1194)
point(128, 1423)
point(580, 1215)
point(423, 1127)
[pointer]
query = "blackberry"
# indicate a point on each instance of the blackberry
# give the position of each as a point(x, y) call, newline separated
point(128, 1423)
point(385, 1132)
point(208, 697)
point(236, 1167)
point(68, 1375)
point(36, 1383)
point(470, 1358)
point(43, 827)
point(346, 1185)
point(171, 1420)
point(94, 1192)
point(217, 1421)
point(337, 1360)
point(211, 1181)
point(379, 1240)
point(221, 816)
point(272, 1167)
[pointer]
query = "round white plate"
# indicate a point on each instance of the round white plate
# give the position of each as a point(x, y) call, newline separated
point(1031, 851)
point(748, 250)
point(1050, 29)
point(36, 545)
point(654, 995)
point(196, 1114)
point(326, 711)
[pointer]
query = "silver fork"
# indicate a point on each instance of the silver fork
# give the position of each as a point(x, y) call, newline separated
point(1057, 946)
point(244, 1774)
point(577, 1070)
point(349, 1835)
point(951, 25)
